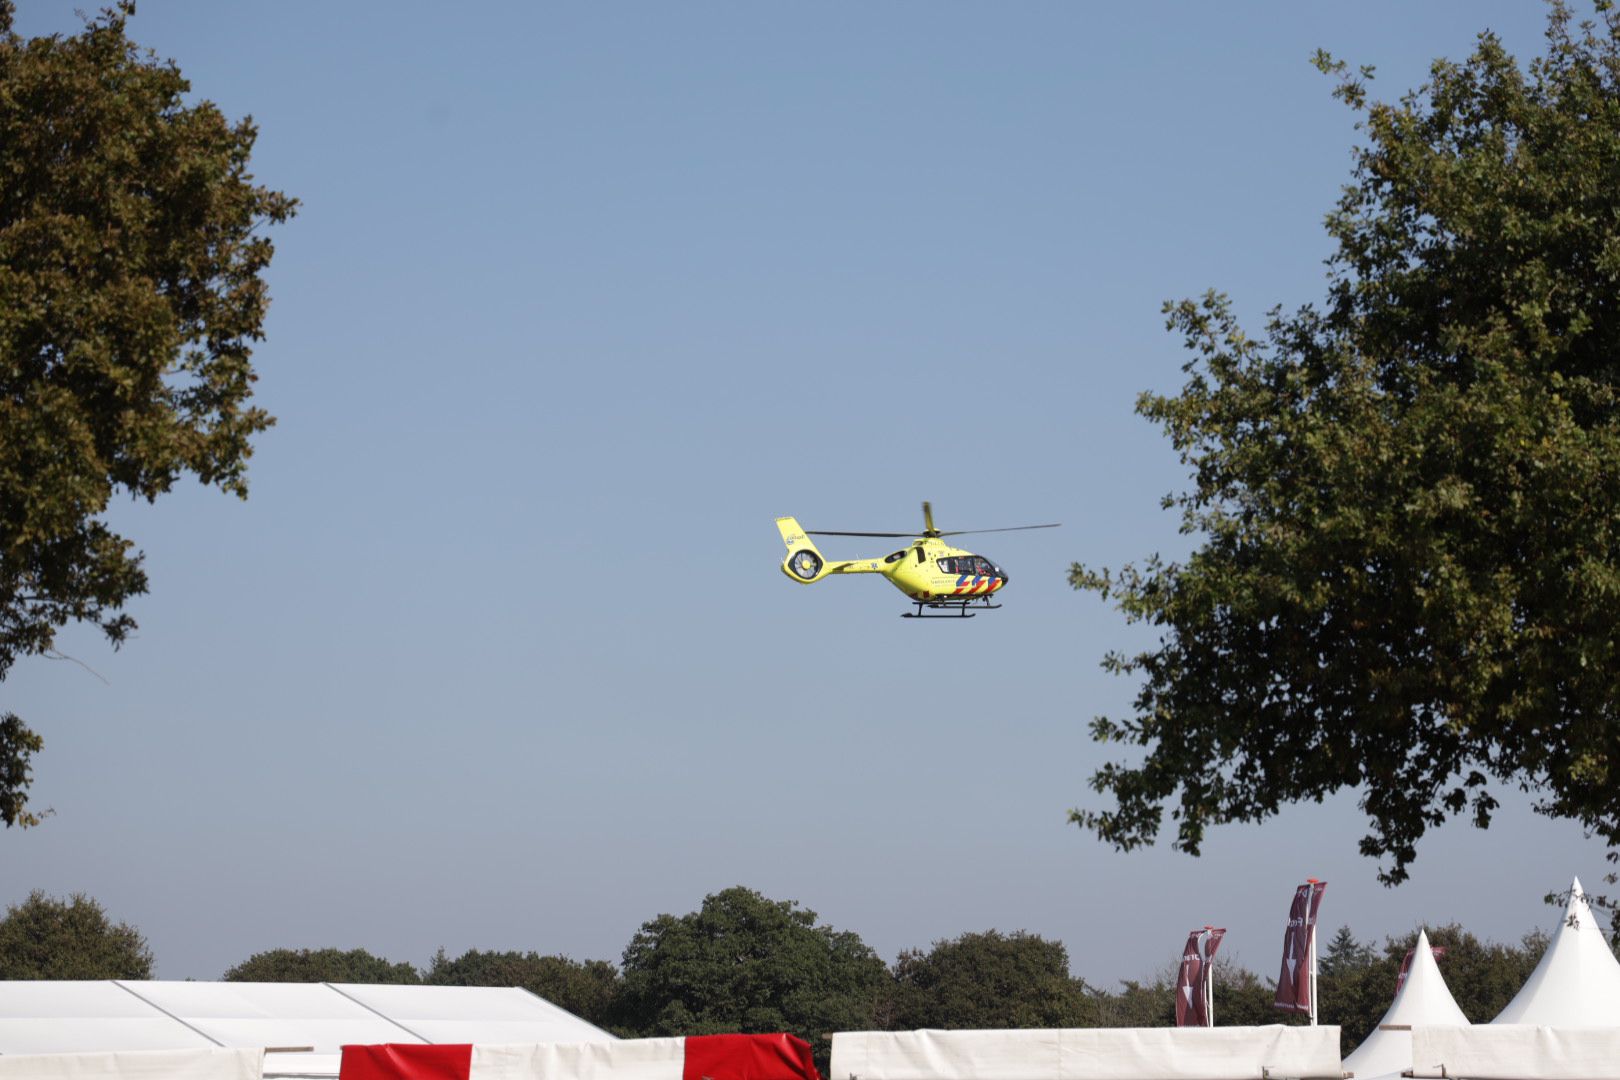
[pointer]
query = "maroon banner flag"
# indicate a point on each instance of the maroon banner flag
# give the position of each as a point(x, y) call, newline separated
point(1406, 966)
point(1294, 983)
point(1195, 980)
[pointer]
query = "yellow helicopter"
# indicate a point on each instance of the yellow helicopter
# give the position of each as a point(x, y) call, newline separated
point(929, 571)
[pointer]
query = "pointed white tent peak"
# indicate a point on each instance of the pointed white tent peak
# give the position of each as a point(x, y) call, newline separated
point(1424, 999)
point(1577, 982)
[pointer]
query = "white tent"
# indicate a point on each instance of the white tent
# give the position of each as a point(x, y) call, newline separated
point(1423, 999)
point(1577, 983)
point(1516, 1052)
point(303, 1025)
point(1190, 1053)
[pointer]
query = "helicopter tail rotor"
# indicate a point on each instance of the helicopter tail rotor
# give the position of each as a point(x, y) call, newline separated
point(804, 564)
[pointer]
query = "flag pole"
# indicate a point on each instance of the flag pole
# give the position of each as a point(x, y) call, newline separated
point(1313, 974)
point(1209, 994)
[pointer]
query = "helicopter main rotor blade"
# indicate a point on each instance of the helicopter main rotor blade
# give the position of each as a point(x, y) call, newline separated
point(1015, 528)
point(827, 532)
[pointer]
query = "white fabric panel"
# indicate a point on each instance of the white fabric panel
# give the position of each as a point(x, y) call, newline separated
point(1516, 1052)
point(1423, 999)
point(1221, 1053)
point(211, 1064)
point(474, 1014)
point(1577, 982)
point(625, 1059)
point(58, 1017)
point(272, 1014)
point(302, 1066)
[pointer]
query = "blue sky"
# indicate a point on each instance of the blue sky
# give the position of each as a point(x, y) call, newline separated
point(581, 297)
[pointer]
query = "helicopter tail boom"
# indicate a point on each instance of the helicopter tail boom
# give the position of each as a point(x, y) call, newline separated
point(806, 565)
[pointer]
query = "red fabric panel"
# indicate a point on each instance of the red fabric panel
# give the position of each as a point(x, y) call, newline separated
point(747, 1057)
point(406, 1061)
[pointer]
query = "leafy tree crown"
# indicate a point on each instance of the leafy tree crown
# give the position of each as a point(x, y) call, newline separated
point(1408, 553)
point(130, 298)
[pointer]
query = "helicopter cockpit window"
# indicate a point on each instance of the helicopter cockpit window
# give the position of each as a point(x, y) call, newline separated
point(896, 557)
point(976, 565)
point(920, 557)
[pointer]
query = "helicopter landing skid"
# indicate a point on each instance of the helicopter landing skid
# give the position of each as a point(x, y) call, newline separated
point(959, 606)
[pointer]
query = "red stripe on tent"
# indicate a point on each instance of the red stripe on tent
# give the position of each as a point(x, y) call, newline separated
point(406, 1061)
point(747, 1057)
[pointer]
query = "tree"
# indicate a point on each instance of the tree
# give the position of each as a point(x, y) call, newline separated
point(46, 938)
point(130, 294)
point(744, 963)
point(587, 989)
point(1344, 954)
point(1141, 1004)
point(1242, 998)
point(990, 980)
point(1355, 987)
point(1407, 503)
point(321, 965)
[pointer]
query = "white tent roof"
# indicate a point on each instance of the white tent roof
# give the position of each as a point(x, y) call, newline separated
point(474, 1014)
point(48, 1017)
point(1577, 983)
point(275, 1015)
point(1190, 1053)
point(1423, 999)
point(58, 1017)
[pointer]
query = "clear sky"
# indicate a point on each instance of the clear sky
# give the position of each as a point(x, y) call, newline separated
point(581, 297)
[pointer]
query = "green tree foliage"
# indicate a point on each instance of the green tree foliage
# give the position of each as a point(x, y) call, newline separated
point(1406, 501)
point(990, 980)
point(1355, 985)
point(321, 965)
point(1345, 953)
point(1241, 998)
point(130, 294)
point(587, 989)
point(745, 963)
point(46, 938)
point(1142, 1004)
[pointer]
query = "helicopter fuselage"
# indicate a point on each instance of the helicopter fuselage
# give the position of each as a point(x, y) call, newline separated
point(928, 569)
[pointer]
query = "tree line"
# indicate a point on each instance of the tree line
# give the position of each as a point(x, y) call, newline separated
point(746, 963)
